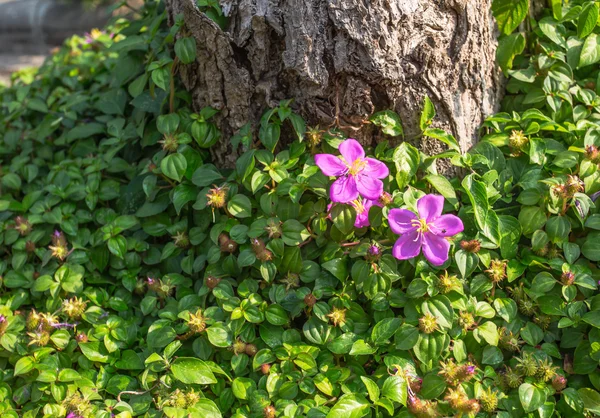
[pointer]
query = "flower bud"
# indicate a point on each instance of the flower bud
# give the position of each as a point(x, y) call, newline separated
point(270, 412)
point(30, 247)
point(310, 300)
point(472, 246)
point(592, 154)
point(385, 199)
point(559, 382)
point(260, 250)
point(226, 244)
point(574, 184)
point(373, 253)
point(567, 278)
point(265, 368)
point(212, 282)
point(251, 350)
point(415, 383)
point(81, 337)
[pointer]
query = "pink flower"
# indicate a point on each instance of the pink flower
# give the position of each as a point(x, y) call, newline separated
point(362, 207)
point(428, 230)
point(357, 175)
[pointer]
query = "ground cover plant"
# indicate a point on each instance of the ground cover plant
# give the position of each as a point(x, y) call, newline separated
point(316, 277)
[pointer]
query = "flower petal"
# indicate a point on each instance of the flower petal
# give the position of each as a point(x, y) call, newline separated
point(435, 248)
point(430, 206)
point(330, 165)
point(401, 221)
point(407, 246)
point(362, 219)
point(376, 168)
point(446, 226)
point(343, 190)
point(369, 187)
point(351, 150)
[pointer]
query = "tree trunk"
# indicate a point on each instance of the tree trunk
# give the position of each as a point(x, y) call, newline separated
point(342, 60)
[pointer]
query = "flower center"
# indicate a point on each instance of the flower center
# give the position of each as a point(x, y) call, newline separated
point(421, 225)
point(357, 166)
point(358, 205)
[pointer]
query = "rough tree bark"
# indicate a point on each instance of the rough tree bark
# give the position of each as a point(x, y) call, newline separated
point(345, 59)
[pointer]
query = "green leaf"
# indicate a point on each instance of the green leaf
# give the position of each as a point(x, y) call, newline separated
point(591, 400)
point(385, 329)
point(406, 158)
point(588, 18)
point(350, 406)
point(343, 217)
point(118, 246)
point(70, 277)
point(294, 232)
point(240, 206)
point(94, 351)
point(442, 136)
point(191, 370)
point(433, 386)
point(590, 52)
point(509, 14)
point(427, 114)
point(23, 366)
point(531, 397)
point(441, 308)
point(487, 331)
point(508, 48)
point(185, 49)
point(395, 389)
point(389, 122)
point(553, 30)
point(173, 166)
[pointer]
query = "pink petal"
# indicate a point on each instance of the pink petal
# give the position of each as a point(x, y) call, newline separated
point(407, 246)
point(330, 165)
point(435, 249)
point(351, 150)
point(446, 226)
point(362, 219)
point(430, 206)
point(369, 187)
point(376, 168)
point(401, 221)
point(343, 190)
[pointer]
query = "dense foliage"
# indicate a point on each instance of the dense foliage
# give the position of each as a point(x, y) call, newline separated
point(138, 279)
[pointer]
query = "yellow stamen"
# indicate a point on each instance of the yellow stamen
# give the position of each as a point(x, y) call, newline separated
point(357, 166)
point(358, 205)
point(421, 225)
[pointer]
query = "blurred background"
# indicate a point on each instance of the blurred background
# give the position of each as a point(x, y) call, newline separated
point(30, 29)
